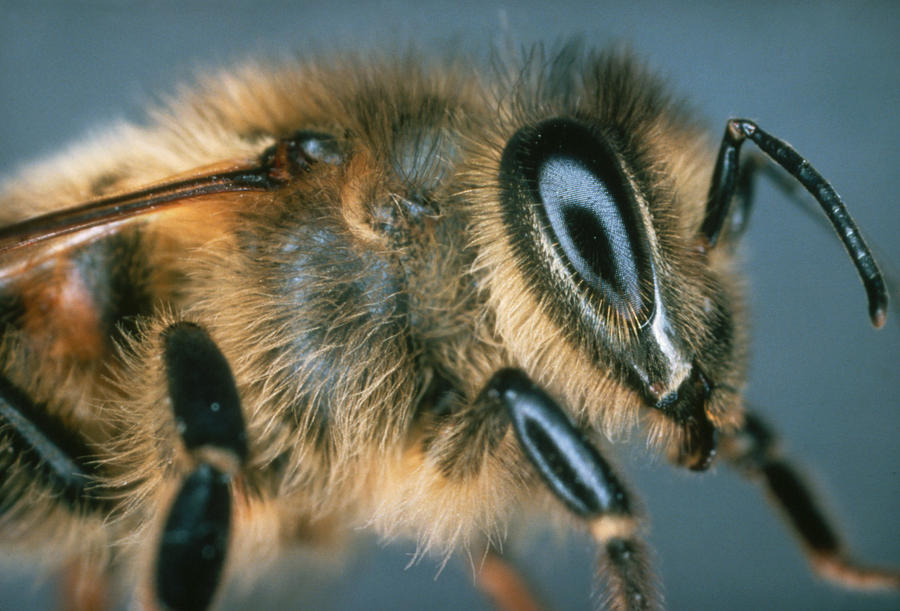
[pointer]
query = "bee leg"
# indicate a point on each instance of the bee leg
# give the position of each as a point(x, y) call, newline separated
point(40, 457)
point(85, 587)
point(465, 435)
point(753, 450)
point(582, 479)
point(208, 416)
point(41, 449)
point(503, 584)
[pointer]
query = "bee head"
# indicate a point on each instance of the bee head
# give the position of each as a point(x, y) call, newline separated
point(609, 297)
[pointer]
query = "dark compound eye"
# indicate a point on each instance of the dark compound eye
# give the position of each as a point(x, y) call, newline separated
point(587, 207)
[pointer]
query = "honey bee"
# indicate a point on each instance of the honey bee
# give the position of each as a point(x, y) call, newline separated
point(397, 295)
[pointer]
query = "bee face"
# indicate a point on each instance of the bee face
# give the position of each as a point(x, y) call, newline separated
point(633, 291)
point(585, 339)
point(590, 234)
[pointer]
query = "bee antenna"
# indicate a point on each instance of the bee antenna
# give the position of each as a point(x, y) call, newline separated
point(723, 187)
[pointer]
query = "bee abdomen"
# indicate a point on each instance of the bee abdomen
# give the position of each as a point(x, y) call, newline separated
point(74, 308)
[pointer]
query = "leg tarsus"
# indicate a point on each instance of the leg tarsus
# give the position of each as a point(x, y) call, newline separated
point(623, 569)
point(753, 451)
point(503, 584)
point(85, 587)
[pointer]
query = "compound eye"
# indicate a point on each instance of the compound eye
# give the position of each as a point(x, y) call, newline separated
point(587, 208)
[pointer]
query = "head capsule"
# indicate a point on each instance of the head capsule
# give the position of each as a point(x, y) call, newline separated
point(610, 299)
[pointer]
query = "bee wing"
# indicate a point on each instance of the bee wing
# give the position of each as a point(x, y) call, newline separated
point(86, 222)
point(121, 207)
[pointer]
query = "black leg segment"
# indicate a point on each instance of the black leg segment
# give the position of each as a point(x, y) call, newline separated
point(194, 541)
point(208, 416)
point(201, 387)
point(568, 463)
point(581, 478)
point(753, 451)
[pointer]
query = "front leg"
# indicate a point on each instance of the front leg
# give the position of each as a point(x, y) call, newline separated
point(569, 465)
point(754, 452)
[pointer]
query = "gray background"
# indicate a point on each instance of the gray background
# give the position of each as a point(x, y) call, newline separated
point(824, 76)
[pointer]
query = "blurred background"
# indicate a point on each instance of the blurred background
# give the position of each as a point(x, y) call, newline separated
point(824, 76)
